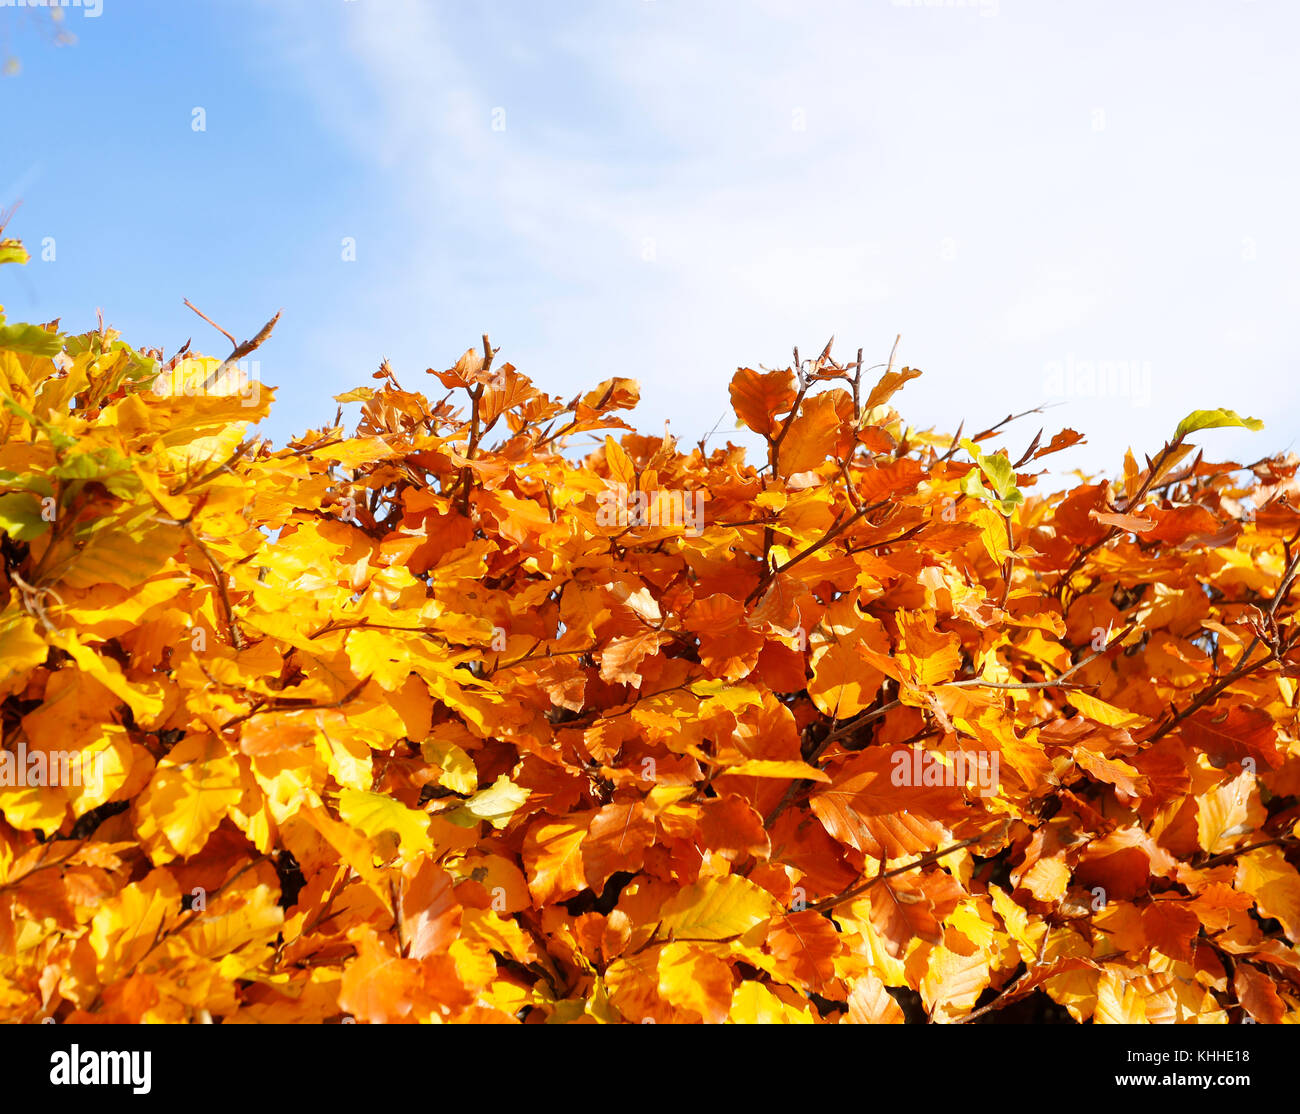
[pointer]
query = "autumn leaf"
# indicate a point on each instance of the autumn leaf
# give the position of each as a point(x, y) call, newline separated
point(616, 840)
point(695, 982)
point(553, 858)
point(189, 794)
point(431, 915)
point(1213, 419)
point(760, 398)
point(715, 909)
point(375, 814)
point(870, 1003)
point(1266, 876)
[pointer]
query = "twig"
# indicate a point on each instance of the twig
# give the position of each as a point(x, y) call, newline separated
point(830, 535)
point(282, 706)
point(1228, 856)
point(233, 342)
point(1056, 682)
point(923, 860)
point(219, 578)
point(241, 350)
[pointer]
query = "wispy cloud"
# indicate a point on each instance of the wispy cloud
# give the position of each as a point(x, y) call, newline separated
point(671, 189)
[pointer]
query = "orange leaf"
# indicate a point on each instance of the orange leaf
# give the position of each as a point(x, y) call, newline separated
point(758, 398)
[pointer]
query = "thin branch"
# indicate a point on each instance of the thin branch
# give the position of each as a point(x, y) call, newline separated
point(241, 350)
point(830, 535)
point(219, 578)
point(233, 342)
point(291, 706)
point(1056, 682)
point(1228, 856)
point(923, 860)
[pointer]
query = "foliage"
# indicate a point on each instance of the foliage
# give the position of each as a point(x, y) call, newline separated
point(433, 721)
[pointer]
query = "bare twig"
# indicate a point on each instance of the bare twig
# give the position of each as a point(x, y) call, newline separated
point(241, 350)
point(922, 860)
point(233, 342)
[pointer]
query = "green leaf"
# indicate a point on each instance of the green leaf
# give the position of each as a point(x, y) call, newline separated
point(106, 465)
point(995, 466)
point(997, 469)
point(36, 482)
point(58, 438)
point(1213, 419)
point(31, 340)
point(1011, 502)
point(20, 516)
point(970, 485)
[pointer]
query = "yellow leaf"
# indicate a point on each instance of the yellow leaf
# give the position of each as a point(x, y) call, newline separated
point(374, 814)
point(126, 926)
point(754, 1004)
point(495, 804)
point(1118, 1001)
point(357, 451)
point(145, 705)
point(762, 767)
point(1025, 933)
point(953, 982)
point(379, 655)
point(188, 796)
point(695, 981)
point(1100, 712)
point(716, 909)
point(1228, 812)
point(500, 934)
point(993, 533)
point(1274, 884)
point(120, 556)
point(459, 773)
point(21, 647)
point(234, 920)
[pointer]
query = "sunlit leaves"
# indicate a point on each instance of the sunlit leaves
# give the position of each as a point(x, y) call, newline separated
point(377, 815)
point(759, 397)
point(715, 909)
point(553, 858)
point(394, 729)
point(1273, 882)
point(190, 792)
point(20, 516)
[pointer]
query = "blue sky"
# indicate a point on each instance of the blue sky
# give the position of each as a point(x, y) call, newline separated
point(667, 189)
